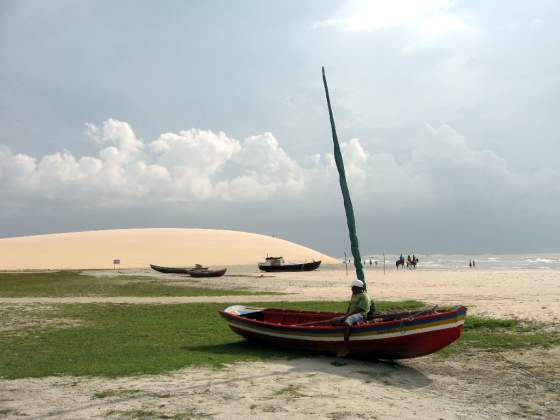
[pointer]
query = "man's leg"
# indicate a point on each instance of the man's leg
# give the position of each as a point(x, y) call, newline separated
point(351, 320)
point(346, 346)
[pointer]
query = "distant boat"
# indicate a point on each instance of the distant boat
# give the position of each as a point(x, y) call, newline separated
point(177, 270)
point(276, 264)
point(388, 336)
point(208, 273)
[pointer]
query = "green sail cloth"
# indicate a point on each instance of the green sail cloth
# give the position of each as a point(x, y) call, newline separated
point(345, 193)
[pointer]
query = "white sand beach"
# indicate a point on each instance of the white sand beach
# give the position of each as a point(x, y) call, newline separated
point(532, 295)
point(464, 386)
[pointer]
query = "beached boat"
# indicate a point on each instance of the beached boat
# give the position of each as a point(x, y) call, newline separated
point(207, 273)
point(275, 264)
point(387, 336)
point(177, 270)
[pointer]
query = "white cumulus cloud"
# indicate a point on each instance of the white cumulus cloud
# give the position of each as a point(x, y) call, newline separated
point(199, 166)
point(191, 165)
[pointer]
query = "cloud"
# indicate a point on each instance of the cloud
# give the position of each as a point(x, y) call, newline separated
point(441, 170)
point(192, 165)
point(367, 15)
point(442, 183)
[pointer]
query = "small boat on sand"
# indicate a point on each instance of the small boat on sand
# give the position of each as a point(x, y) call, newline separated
point(177, 270)
point(277, 264)
point(388, 336)
point(208, 273)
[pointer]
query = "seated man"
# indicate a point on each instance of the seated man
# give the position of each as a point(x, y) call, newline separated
point(357, 311)
point(358, 308)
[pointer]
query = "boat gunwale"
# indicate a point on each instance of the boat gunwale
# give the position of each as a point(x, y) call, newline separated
point(456, 312)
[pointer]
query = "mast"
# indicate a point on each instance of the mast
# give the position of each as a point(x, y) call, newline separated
point(350, 221)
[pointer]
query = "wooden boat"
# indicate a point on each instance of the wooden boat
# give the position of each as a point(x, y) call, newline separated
point(276, 264)
point(207, 273)
point(388, 336)
point(176, 270)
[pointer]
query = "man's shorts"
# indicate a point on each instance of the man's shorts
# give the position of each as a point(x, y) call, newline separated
point(354, 319)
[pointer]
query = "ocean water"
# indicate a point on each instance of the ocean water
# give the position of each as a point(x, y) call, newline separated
point(484, 261)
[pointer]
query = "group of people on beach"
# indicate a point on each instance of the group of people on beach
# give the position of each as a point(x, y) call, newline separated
point(472, 264)
point(410, 262)
point(364, 263)
point(371, 262)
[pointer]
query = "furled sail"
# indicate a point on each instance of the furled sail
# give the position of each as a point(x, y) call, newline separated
point(350, 220)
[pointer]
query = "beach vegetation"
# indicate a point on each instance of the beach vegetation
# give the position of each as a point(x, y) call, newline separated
point(129, 339)
point(5, 412)
point(151, 414)
point(526, 410)
point(137, 414)
point(115, 393)
point(78, 284)
point(490, 334)
point(291, 391)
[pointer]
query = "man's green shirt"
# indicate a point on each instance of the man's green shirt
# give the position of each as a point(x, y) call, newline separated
point(360, 301)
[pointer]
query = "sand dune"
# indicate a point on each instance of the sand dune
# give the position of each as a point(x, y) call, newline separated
point(140, 247)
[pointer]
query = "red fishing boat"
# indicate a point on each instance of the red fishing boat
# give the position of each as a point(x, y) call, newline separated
point(388, 336)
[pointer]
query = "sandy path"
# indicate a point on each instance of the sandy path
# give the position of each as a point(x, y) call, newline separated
point(523, 294)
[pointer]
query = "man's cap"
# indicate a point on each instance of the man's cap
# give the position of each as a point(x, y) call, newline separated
point(358, 283)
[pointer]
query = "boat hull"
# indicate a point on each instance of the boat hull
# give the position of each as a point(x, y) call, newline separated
point(171, 270)
point(398, 339)
point(208, 273)
point(177, 270)
point(290, 267)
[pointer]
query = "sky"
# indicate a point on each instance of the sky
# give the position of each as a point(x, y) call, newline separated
point(212, 114)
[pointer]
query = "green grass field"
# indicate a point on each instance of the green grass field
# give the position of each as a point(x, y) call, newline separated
point(71, 283)
point(499, 335)
point(116, 340)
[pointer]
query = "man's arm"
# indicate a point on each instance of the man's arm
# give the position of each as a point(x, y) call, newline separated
point(355, 311)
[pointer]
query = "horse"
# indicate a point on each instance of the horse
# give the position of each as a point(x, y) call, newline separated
point(412, 263)
point(399, 262)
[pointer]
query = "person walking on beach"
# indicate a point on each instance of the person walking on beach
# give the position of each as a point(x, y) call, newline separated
point(470, 264)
